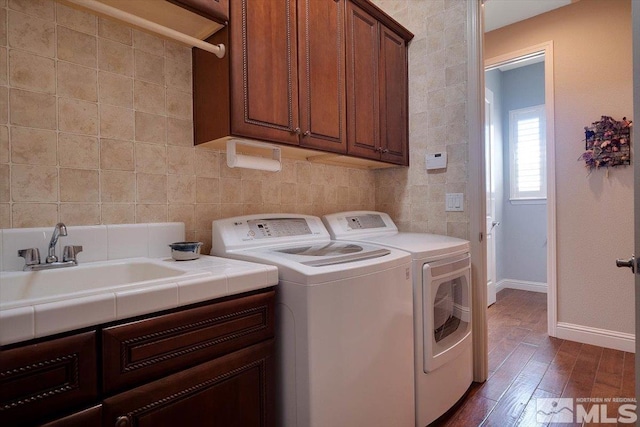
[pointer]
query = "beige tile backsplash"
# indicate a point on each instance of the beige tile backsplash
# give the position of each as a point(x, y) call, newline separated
point(78, 151)
point(76, 47)
point(75, 81)
point(437, 119)
point(96, 128)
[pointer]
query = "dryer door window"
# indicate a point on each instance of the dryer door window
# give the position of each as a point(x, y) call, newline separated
point(446, 310)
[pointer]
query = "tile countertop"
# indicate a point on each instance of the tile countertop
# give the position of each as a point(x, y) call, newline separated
point(205, 278)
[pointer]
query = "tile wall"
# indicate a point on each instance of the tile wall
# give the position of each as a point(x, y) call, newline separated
point(96, 128)
point(437, 118)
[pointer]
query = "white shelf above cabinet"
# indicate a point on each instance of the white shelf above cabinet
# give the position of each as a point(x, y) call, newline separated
point(157, 16)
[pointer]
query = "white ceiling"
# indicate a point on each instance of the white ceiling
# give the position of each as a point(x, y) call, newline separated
point(500, 13)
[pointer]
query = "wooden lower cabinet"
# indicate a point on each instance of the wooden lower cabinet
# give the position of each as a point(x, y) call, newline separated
point(209, 365)
point(149, 349)
point(233, 390)
point(38, 381)
point(91, 417)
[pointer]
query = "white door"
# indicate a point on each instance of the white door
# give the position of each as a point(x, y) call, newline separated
point(491, 221)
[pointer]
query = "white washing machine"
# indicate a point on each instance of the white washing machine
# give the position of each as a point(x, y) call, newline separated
point(442, 306)
point(344, 321)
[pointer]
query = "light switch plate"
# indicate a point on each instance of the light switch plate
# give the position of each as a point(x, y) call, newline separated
point(454, 202)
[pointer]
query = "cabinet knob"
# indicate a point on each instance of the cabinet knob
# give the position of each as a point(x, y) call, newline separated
point(297, 131)
point(306, 133)
point(123, 421)
point(385, 150)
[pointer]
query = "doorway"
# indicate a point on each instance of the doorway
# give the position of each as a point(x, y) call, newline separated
point(516, 217)
point(520, 178)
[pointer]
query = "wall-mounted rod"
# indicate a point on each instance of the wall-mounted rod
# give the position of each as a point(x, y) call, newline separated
point(97, 6)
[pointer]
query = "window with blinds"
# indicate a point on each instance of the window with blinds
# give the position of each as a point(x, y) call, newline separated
point(527, 153)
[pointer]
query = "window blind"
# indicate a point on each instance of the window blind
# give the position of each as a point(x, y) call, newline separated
point(527, 149)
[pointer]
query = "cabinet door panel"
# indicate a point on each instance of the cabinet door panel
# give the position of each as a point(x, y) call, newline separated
point(362, 83)
point(264, 78)
point(393, 98)
point(234, 390)
point(47, 378)
point(322, 74)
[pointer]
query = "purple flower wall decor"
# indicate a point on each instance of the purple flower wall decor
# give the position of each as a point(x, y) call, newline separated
point(608, 143)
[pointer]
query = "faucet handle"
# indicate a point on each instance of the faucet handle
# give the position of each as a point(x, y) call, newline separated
point(70, 253)
point(31, 256)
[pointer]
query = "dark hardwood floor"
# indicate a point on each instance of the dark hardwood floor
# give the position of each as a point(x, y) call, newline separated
point(526, 364)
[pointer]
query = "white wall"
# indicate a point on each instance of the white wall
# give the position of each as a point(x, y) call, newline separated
point(593, 77)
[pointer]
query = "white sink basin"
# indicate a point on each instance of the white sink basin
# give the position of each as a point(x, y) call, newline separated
point(36, 304)
point(29, 287)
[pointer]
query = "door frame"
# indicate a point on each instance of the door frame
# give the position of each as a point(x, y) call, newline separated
point(547, 49)
point(476, 185)
point(476, 188)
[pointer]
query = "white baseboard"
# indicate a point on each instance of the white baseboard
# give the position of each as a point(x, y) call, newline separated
point(522, 285)
point(601, 337)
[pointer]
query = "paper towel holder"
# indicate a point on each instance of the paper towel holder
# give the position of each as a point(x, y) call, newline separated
point(235, 160)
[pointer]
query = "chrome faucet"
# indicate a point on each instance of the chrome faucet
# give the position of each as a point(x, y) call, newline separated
point(59, 231)
point(32, 255)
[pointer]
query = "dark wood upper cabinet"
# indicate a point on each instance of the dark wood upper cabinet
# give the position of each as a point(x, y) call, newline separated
point(321, 64)
point(283, 80)
point(363, 85)
point(377, 88)
point(394, 102)
point(305, 73)
point(253, 91)
point(264, 75)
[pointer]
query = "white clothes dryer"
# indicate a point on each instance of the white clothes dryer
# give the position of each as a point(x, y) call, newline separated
point(344, 321)
point(442, 306)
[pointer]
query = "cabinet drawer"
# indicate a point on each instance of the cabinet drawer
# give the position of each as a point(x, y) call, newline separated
point(149, 349)
point(91, 417)
point(234, 390)
point(47, 378)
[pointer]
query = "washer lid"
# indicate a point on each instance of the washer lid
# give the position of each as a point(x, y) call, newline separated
point(422, 245)
point(379, 228)
point(324, 254)
point(326, 249)
point(315, 263)
point(333, 253)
